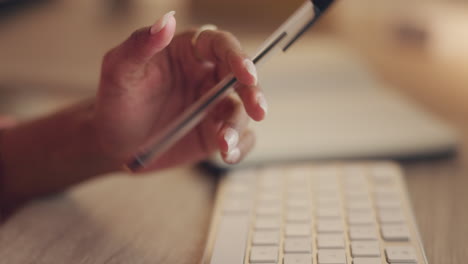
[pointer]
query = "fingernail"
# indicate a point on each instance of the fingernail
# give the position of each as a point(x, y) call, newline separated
point(233, 156)
point(261, 101)
point(250, 67)
point(231, 137)
point(161, 23)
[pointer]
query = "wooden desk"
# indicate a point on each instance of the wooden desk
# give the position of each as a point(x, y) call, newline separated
point(156, 219)
point(164, 218)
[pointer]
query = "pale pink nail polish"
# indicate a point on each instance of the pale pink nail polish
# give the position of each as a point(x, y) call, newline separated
point(233, 156)
point(261, 101)
point(250, 67)
point(161, 23)
point(231, 137)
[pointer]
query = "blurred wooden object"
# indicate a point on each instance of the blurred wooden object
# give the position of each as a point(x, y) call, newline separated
point(246, 14)
point(250, 16)
point(62, 42)
point(420, 47)
point(148, 219)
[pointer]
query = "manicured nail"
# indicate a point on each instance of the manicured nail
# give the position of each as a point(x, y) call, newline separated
point(250, 67)
point(233, 156)
point(161, 23)
point(231, 137)
point(261, 101)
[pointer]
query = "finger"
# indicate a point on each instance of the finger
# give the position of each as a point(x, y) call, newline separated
point(146, 42)
point(254, 101)
point(246, 143)
point(7, 121)
point(235, 122)
point(225, 50)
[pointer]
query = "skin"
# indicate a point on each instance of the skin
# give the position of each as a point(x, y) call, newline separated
point(146, 82)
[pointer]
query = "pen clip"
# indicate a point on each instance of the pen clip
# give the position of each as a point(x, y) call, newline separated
point(301, 32)
point(319, 8)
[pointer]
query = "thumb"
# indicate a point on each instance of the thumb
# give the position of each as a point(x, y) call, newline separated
point(144, 43)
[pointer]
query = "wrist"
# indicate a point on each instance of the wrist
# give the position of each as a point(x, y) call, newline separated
point(89, 131)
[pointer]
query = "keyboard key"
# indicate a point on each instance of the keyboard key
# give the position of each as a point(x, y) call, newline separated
point(358, 184)
point(270, 188)
point(387, 203)
point(231, 239)
point(266, 238)
point(299, 195)
point(359, 205)
point(365, 249)
point(356, 190)
point(362, 233)
point(328, 198)
point(328, 193)
point(298, 192)
point(326, 172)
point(263, 254)
point(298, 245)
point(355, 194)
point(395, 232)
point(354, 173)
point(238, 189)
point(325, 211)
point(367, 261)
point(235, 206)
point(384, 173)
point(295, 179)
point(385, 191)
point(297, 230)
point(389, 216)
point(271, 172)
point(329, 226)
point(297, 259)
point(262, 223)
point(330, 241)
point(360, 217)
point(268, 210)
point(269, 198)
point(401, 254)
point(299, 174)
point(358, 196)
point(328, 189)
point(331, 256)
point(294, 216)
point(298, 204)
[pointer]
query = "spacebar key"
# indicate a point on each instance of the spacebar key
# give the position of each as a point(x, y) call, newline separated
point(231, 240)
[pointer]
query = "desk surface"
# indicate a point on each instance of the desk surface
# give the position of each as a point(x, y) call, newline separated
point(164, 218)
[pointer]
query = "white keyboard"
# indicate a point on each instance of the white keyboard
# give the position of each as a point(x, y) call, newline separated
point(341, 213)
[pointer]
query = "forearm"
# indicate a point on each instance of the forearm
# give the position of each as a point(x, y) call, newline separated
point(50, 154)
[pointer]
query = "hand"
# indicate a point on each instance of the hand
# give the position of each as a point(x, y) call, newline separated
point(148, 80)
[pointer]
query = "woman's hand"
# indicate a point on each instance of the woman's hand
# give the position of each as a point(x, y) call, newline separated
point(148, 80)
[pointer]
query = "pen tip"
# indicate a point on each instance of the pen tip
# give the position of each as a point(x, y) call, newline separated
point(322, 4)
point(134, 165)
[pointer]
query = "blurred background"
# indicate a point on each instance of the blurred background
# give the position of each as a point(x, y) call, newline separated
point(51, 50)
